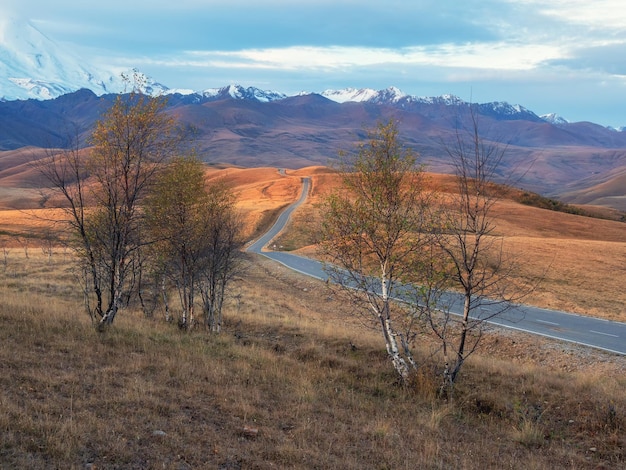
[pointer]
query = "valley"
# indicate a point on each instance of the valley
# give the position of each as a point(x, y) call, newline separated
point(291, 382)
point(581, 260)
point(580, 163)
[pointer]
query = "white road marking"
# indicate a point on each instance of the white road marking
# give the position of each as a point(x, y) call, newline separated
point(605, 334)
point(548, 322)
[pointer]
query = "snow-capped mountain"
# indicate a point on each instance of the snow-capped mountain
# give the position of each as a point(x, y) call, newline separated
point(554, 118)
point(234, 91)
point(241, 93)
point(364, 95)
point(34, 66)
point(394, 97)
point(391, 95)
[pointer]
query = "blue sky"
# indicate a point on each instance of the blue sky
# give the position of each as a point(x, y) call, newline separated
point(567, 57)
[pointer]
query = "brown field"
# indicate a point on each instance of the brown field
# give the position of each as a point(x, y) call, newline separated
point(292, 382)
point(581, 260)
point(609, 192)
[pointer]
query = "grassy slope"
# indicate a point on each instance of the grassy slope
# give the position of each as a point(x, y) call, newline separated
point(581, 260)
point(291, 383)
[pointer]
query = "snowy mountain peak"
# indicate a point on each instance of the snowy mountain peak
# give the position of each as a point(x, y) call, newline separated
point(395, 97)
point(554, 118)
point(349, 95)
point(504, 108)
point(389, 95)
point(264, 96)
point(34, 66)
point(446, 100)
point(239, 92)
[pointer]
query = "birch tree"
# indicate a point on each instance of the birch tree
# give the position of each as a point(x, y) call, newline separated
point(221, 253)
point(197, 237)
point(102, 187)
point(175, 222)
point(372, 229)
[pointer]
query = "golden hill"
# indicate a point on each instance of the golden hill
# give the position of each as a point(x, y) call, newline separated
point(581, 260)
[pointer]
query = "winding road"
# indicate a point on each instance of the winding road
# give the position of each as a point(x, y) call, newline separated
point(588, 331)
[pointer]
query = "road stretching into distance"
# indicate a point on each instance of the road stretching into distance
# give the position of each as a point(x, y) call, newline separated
point(588, 331)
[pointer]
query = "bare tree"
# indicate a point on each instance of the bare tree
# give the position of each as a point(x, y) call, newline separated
point(472, 257)
point(102, 188)
point(65, 170)
point(23, 241)
point(48, 242)
point(373, 232)
point(174, 214)
point(222, 253)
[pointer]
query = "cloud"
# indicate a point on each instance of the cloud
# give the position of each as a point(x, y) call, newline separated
point(511, 47)
point(606, 58)
point(599, 14)
point(501, 56)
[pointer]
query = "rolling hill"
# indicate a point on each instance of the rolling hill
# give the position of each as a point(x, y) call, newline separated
point(246, 128)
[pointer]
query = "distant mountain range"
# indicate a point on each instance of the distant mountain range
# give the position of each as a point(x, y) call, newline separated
point(47, 95)
point(34, 66)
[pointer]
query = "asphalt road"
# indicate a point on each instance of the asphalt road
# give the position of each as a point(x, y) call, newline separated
point(597, 333)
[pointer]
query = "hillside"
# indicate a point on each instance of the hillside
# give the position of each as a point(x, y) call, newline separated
point(606, 190)
point(289, 383)
point(580, 259)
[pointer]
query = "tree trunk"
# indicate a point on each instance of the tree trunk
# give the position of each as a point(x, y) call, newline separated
point(393, 351)
point(397, 360)
point(108, 317)
point(460, 354)
point(166, 304)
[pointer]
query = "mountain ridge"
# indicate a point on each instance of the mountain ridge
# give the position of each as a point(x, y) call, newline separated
point(33, 66)
point(238, 126)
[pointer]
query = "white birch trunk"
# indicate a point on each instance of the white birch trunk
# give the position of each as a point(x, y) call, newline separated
point(390, 338)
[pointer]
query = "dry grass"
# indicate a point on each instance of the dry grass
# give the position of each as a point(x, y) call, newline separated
point(291, 383)
point(581, 261)
point(261, 192)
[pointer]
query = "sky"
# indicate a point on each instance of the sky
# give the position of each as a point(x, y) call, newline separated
point(559, 56)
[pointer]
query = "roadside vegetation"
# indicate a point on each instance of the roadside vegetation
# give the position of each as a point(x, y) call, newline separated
point(141, 218)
